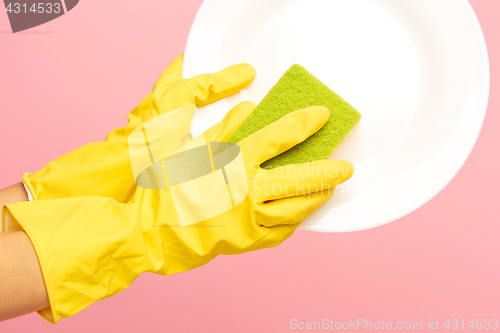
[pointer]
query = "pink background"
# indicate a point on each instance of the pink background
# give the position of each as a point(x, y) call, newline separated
point(72, 80)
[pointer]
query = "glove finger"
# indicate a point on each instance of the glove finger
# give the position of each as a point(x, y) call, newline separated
point(292, 210)
point(172, 74)
point(284, 133)
point(207, 88)
point(302, 179)
point(222, 131)
point(148, 108)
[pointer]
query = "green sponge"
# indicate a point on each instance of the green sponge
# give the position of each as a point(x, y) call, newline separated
point(295, 90)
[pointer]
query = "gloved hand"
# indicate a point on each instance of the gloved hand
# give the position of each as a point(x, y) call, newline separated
point(191, 206)
point(103, 168)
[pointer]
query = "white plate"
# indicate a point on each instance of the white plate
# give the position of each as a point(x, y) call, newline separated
point(417, 70)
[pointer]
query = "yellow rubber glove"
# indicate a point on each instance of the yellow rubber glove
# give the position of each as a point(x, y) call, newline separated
point(211, 202)
point(103, 168)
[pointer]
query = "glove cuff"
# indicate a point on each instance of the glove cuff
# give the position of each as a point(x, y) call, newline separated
point(28, 186)
point(85, 252)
